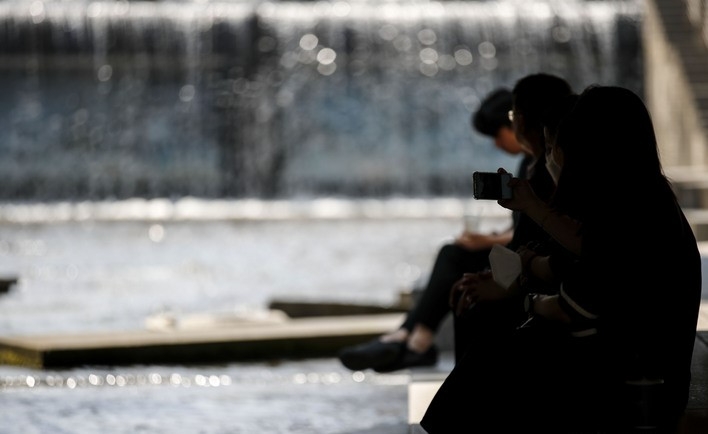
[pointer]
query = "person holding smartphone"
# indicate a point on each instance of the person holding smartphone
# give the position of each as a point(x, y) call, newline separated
point(613, 348)
point(413, 343)
point(533, 97)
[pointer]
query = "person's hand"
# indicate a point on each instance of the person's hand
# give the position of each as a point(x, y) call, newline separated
point(459, 287)
point(527, 254)
point(473, 288)
point(472, 241)
point(523, 196)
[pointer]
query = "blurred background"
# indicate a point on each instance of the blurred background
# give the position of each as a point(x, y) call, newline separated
point(191, 156)
point(268, 99)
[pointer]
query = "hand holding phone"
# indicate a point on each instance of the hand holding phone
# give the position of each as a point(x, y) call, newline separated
point(491, 185)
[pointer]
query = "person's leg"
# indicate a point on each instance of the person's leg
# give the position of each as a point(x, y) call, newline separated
point(504, 385)
point(450, 264)
point(486, 321)
point(416, 335)
point(433, 306)
point(479, 394)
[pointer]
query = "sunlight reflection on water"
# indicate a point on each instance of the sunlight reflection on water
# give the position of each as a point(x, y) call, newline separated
point(118, 267)
point(80, 274)
point(315, 396)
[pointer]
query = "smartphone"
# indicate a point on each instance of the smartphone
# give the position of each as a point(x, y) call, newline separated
point(491, 185)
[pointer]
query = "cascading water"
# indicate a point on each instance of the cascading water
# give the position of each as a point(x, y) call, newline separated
point(278, 99)
point(248, 99)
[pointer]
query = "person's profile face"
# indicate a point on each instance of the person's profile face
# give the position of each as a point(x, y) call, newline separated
point(505, 139)
point(517, 126)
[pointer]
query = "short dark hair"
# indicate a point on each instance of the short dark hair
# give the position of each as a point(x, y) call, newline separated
point(534, 93)
point(493, 113)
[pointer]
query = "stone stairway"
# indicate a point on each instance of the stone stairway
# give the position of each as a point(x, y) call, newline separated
point(675, 39)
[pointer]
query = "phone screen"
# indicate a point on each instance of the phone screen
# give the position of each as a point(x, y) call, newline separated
point(491, 185)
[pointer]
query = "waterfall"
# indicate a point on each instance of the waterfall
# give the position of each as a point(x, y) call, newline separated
point(279, 99)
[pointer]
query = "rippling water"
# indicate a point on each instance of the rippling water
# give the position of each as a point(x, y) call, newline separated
point(109, 266)
point(312, 396)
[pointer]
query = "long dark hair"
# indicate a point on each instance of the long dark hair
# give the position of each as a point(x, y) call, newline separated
point(611, 157)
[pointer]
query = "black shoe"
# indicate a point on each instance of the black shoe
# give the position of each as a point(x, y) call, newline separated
point(370, 355)
point(411, 359)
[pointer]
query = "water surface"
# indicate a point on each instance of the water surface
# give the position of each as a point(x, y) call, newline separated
point(111, 272)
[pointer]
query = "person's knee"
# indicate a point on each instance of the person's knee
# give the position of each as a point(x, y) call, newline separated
point(450, 251)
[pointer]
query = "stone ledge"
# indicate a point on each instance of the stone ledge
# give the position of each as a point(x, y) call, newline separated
point(424, 385)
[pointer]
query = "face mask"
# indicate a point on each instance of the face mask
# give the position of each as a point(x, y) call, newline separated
point(553, 168)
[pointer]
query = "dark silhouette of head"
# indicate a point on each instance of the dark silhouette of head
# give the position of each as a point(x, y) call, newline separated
point(533, 94)
point(492, 119)
point(610, 150)
point(493, 113)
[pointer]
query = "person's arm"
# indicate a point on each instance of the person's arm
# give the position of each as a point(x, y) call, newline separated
point(477, 287)
point(575, 306)
point(548, 307)
point(476, 241)
point(540, 266)
point(562, 228)
point(536, 265)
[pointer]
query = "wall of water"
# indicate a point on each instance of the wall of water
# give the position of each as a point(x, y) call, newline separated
point(279, 99)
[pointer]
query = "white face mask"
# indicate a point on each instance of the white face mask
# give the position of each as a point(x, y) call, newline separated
point(553, 168)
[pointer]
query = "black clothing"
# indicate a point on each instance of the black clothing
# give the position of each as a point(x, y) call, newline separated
point(526, 229)
point(629, 322)
point(491, 321)
point(451, 262)
point(502, 386)
point(497, 320)
point(645, 315)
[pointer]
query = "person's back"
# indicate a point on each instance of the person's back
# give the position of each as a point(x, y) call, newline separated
point(641, 268)
point(657, 314)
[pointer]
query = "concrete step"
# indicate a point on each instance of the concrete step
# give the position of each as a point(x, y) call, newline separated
point(204, 341)
point(303, 309)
